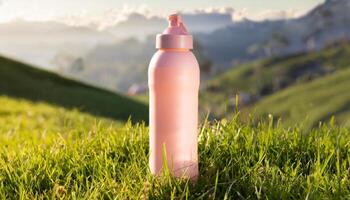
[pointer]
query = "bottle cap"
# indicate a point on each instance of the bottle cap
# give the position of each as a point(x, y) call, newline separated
point(175, 36)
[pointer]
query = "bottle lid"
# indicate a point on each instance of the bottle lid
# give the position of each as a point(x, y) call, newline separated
point(175, 36)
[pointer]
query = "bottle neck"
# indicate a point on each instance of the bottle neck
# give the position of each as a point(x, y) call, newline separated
point(173, 49)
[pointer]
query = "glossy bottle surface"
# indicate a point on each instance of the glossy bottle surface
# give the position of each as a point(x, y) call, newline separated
point(173, 79)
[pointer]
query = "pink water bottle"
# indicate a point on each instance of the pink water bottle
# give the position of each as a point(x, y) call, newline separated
point(173, 79)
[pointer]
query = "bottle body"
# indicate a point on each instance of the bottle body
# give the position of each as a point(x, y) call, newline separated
point(173, 78)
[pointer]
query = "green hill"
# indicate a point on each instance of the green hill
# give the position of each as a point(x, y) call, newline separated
point(264, 77)
point(261, 79)
point(311, 102)
point(19, 80)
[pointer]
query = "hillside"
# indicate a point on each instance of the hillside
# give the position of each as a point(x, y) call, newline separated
point(257, 80)
point(19, 80)
point(49, 152)
point(311, 102)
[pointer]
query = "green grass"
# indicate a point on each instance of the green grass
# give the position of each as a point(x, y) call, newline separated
point(22, 121)
point(311, 102)
point(48, 152)
point(267, 78)
point(22, 81)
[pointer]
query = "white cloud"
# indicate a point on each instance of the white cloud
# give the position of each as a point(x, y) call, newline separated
point(108, 18)
point(239, 15)
point(236, 14)
point(278, 14)
point(221, 10)
point(244, 13)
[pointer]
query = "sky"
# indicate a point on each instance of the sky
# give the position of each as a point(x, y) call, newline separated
point(99, 10)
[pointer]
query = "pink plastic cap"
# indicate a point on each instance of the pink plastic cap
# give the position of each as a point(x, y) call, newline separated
point(175, 36)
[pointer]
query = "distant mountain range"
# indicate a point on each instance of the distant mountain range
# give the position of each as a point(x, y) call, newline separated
point(225, 47)
point(54, 45)
point(249, 40)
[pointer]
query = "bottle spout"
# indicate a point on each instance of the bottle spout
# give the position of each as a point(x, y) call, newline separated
point(175, 21)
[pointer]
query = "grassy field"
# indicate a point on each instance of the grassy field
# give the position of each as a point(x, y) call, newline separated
point(272, 78)
point(23, 81)
point(49, 152)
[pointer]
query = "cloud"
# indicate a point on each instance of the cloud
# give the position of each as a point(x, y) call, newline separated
point(113, 17)
point(219, 10)
point(244, 13)
point(110, 17)
point(278, 14)
point(239, 15)
point(224, 11)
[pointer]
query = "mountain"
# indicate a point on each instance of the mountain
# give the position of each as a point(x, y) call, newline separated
point(258, 80)
point(123, 64)
point(54, 45)
point(107, 54)
point(116, 66)
point(225, 46)
point(18, 80)
point(247, 40)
